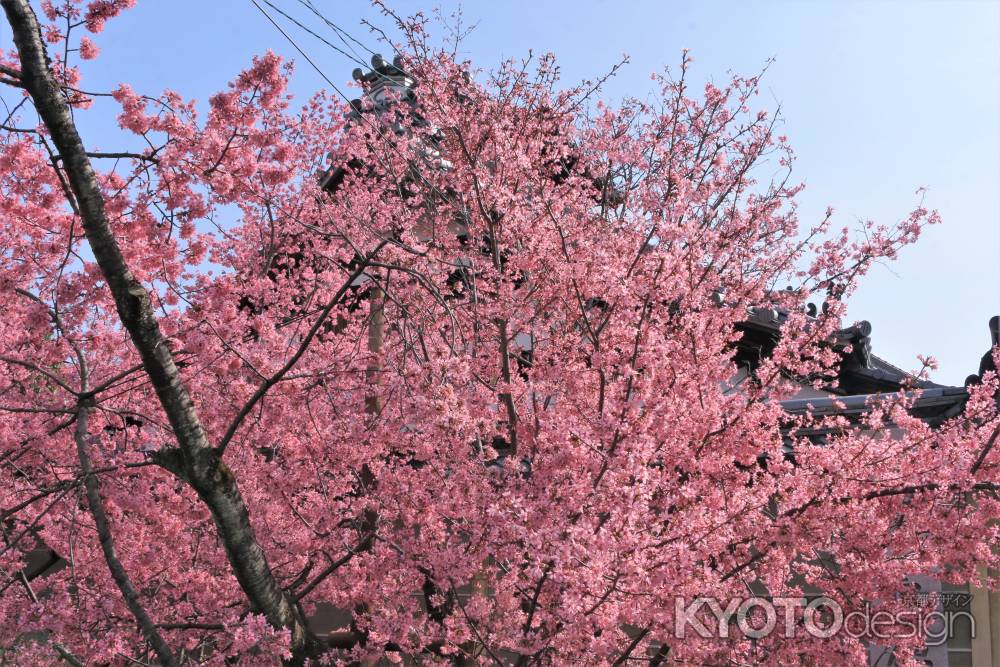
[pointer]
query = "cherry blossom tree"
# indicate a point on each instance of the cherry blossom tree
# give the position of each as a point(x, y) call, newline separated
point(476, 396)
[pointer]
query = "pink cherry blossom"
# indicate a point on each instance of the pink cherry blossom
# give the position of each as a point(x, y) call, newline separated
point(475, 394)
point(88, 50)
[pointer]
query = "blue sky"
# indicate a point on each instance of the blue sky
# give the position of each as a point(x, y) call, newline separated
point(880, 97)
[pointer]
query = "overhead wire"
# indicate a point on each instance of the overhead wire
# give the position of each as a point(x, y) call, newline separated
point(299, 49)
point(326, 78)
point(337, 30)
point(353, 57)
point(344, 35)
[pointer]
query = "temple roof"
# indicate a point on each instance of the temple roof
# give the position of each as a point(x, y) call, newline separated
point(933, 405)
point(860, 372)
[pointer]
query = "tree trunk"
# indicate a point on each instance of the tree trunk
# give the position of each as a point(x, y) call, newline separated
point(196, 461)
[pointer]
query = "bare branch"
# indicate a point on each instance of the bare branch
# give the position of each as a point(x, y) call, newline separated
point(303, 346)
point(343, 560)
point(986, 449)
point(118, 573)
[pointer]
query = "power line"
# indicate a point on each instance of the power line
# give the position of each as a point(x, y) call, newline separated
point(299, 49)
point(363, 117)
point(336, 48)
point(337, 29)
